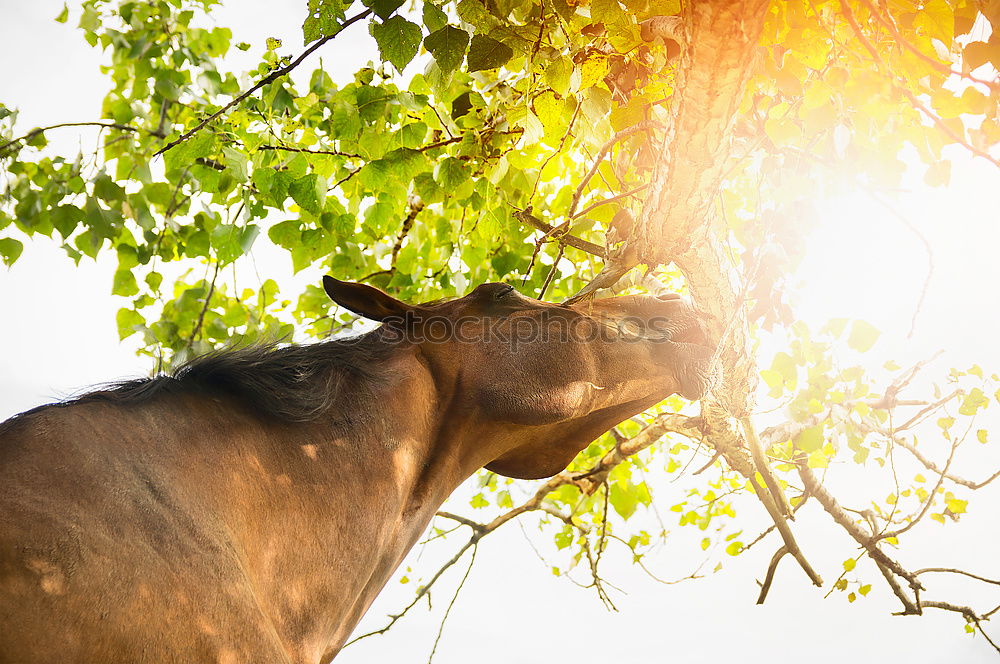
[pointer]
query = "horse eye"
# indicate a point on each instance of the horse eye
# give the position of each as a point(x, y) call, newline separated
point(503, 291)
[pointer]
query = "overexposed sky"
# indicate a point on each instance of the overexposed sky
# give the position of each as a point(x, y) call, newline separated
point(57, 335)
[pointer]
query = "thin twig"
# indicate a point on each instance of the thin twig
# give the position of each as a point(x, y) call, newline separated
point(769, 577)
point(612, 199)
point(201, 315)
point(444, 618)
point(601, 154)
point(270, 78)
point(34, 132)
point(334, 153)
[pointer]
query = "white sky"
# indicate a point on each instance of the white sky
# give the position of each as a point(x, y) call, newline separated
point(57, 334)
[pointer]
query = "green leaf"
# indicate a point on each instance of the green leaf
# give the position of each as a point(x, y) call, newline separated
point(183, 155)
point(433, 17)
point(488, 53)
point(10, 250)
point(124, 283)
point(129, 322)
point(398, 40)
point(863, 336)
point(323, 19)
point(236, 162)
point(383, 8)
point(623, 499)
point(287, 234)
point(451, 173)
point(849, 564)
point(447, 45)
point(309, 191)
point(63, 15)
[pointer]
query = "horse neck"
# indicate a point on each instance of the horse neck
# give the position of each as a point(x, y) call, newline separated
point(380, 443)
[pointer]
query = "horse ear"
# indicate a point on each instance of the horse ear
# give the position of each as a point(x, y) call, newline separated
point(364, 300)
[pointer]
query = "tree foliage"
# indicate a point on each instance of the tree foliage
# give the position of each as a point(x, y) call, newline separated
point(565, 145)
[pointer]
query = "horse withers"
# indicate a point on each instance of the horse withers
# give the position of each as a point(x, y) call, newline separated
point(249, 507)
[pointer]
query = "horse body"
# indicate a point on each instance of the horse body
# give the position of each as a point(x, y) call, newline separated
point(186, 523)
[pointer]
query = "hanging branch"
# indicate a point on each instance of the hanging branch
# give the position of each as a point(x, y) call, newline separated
point(901, 88)
point(38, 130)
point(270, 78)
point(586, 481)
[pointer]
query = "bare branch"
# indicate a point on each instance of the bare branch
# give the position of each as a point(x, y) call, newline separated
point(422, 591)
point(933, 467)
point(38, 130)
point(601, 154)
point(833, 508)
point(447, 611)
point(526, 217)
point(769, 577)
point(612, 199)
point(949, 570)
point(334, 153)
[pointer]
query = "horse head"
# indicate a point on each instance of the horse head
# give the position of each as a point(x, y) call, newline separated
point(534, 382)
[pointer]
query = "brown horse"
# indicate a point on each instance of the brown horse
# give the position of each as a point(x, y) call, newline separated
point(250, 507)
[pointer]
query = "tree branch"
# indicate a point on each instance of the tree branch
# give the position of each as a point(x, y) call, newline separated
point(38, 130)
point(270, 78)
point(526, 217)
point(601, 154)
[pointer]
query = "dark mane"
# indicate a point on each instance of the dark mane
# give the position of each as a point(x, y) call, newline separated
point(291, 383)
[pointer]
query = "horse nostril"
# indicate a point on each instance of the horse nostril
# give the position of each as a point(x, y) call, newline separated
point(668, 296)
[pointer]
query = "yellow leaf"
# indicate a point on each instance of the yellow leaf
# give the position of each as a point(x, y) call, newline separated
point(956, 505)
point(782, 131)
point(818, 459)
point(863, 336)
point(810, 440)
point(549, 109)
point(593, 70)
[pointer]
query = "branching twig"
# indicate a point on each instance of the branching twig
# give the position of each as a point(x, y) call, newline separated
point(34, 132)
point(612, 199)
point(526, 217)
point(444, 618)
point(270, 78)
point(601, 154)
point(201, 315)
